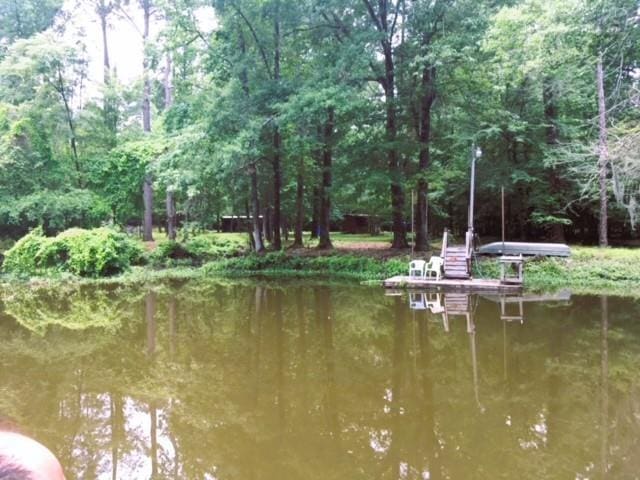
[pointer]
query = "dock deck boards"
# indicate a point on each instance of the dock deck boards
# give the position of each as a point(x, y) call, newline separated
point(466, 285)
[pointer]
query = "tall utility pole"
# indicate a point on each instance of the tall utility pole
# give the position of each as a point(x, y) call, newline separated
point(472, 187)
point(475, 154)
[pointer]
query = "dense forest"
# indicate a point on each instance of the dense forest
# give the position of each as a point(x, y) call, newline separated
point(295, 113)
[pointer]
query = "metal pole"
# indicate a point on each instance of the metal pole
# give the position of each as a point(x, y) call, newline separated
point(473, 185)
point(503, 220)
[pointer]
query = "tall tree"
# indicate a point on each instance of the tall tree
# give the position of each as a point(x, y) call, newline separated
point(170, 198)
point(603, 154)
point(147, 187)
point(104, 9)
point(425, 24)
point(147, 183)
point(324, 217)
point(384, 22)
point(38, 67)
point(277, 139)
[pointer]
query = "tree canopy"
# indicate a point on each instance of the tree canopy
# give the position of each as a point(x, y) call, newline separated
point(297, 113)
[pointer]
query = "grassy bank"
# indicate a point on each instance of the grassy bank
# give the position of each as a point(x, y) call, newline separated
point(348, 266)
point(356, 258)
point(588, 270)
point(271, 265)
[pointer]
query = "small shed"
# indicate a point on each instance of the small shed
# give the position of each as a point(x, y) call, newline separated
point(360, 223)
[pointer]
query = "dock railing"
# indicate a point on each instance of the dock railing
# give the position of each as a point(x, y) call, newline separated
point(445, 239)
point(468, 244)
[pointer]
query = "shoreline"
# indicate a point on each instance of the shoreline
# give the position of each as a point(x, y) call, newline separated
point(588, 271)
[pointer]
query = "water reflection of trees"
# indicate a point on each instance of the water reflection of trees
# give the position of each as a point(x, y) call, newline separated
point(312, 381)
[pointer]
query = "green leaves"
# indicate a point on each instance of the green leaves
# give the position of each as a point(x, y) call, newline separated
point(86, 253)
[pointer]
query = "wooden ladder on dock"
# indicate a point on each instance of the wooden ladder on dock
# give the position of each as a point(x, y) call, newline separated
point(457, 259)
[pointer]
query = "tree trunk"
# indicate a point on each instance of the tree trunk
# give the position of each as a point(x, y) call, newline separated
point(428, 95)
point(106, 64)
point(315, 213)
point(167, 82)
point(324, 217)
point(173, 326)
point(171, 216)
point(153, 436)
point(277, 187)
point(147, 192)
point(267, 223)
point(277, 140)
point(550, 111)
point(249, 225)
point(603, 154)
point(150, 319)
point(171, 198)
point(72, 129)
point(255, 210)
point(604, 386)
point(108, 105)
point(556, 184)
point(116, 428)
point(146, 89)
point(257, 242)
point(297, 234)
point(395, 173)
point(147, 197)
point(387, 81)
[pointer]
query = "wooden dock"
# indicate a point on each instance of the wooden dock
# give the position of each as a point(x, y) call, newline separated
point(452, 284)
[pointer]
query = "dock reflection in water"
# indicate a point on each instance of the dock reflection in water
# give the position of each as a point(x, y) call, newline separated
point(291, 380)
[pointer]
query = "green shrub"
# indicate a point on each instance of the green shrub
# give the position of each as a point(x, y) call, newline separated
point(169, 254)
point(196, 251)
point(207, 247)
point(87, 253)
point(21, 258)
point(352, 266)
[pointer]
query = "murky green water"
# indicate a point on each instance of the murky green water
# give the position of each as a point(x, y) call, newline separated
point(312, 381)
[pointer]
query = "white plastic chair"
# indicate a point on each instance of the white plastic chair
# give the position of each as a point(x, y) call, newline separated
point(417, 301)
point(416, 268)
point(434, 266)
point(435, 306)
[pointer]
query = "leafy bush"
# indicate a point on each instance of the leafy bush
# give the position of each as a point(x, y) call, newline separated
point(352, 266)
point(210, 246)
point(169, 254)
point(21, 258)
point(200, 249)
point(88, 253)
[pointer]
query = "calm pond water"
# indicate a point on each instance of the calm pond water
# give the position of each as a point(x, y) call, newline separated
point(322, 381)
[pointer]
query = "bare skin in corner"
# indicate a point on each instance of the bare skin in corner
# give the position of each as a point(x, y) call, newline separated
point(22, 458)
